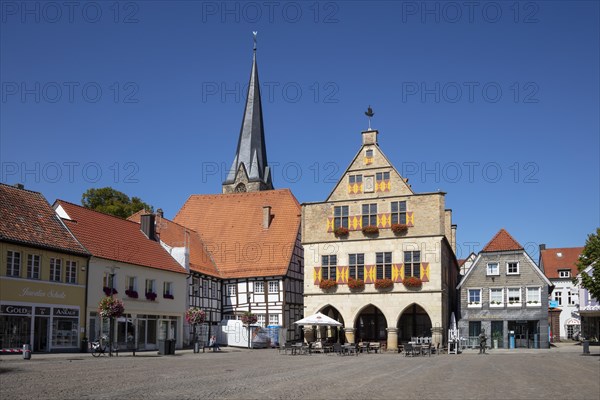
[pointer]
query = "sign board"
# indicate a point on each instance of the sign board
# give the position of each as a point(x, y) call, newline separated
point(553, 304)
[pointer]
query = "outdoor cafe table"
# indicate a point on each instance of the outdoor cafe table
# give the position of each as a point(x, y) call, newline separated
point(297, 348)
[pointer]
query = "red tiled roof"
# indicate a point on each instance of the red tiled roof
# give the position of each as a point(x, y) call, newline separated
point(176, 235)
point(27, 218)
point(502, 241)
point(461, 261)
point(113, 238)
point(557, 259)
point(231, 226)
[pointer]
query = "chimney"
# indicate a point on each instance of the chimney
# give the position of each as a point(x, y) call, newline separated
point(19, 186)
point(542, 247)
point(266, 217)
point(369, 137)
point(453, 239)
point(159, 212)
point(147, 226)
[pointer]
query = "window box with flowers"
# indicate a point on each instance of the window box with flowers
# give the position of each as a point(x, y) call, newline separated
point(356, 284)
point(168, 296)
point(132, 293)
point(370, 230)
point(327, 284)
point(412, 282)
point(341, 231)
point(107, 290)
point(399, 228)
point(150, 296)
point(385, 283)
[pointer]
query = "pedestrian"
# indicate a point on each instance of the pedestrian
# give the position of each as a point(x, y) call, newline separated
point(213, 343)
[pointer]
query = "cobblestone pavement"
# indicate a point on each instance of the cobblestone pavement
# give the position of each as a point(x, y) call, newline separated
point(557, 373)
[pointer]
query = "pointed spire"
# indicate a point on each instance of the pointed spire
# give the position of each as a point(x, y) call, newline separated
point(251, 150)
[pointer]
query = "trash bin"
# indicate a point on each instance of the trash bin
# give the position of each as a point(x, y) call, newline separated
point(586, 347)
point(84, 345)
point(163, 348)
point(196, 347)
point(171, 346)
point(27, 352)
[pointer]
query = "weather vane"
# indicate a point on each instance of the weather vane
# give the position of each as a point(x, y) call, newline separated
point(255, 33)
point(369, 114)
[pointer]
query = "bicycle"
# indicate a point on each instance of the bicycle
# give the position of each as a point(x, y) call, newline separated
point(100, 347)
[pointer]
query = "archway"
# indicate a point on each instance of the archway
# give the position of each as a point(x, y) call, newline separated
point(414, 322)
point(370, 325)
point(332, 333)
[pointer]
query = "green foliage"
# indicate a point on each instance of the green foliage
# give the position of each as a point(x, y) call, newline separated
point(110, 201)
point(589, 256)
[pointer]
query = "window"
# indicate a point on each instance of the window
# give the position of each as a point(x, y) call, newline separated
point(369, 214)
point(71, 270)
point(474, 298)
point(512, 268)
point(109, 280)
point(496, 297)
point(492, 269)
point(566, 273)
point(558, 298)
point(534, 297)
point(231, 290)
point(412, 264)
point(572, 298)
point(356, 266)
point(260, 319)
point(383, 263)
point(352, 179)
point(273, 286)
point(167, 288)
point(474, 328)
point(329, 264)
point(514, 296)
point(55, 269)
point(215, 292)
point(273, 319)
point(259, 287)
point(132, 283)
point(382, 176)
point(398, 209)
point(13, 263)
point(340, 217)
point(369, 153)
point(150, 286)
point(33, 266)
point(205, 288)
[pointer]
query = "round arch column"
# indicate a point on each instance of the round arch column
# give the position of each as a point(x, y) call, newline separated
point(392, 339)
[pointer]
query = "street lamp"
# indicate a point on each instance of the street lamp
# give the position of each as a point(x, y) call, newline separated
point(110, 319)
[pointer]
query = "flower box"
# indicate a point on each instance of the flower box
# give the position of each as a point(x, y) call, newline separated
point(248, 318)
point(168, 296)
point(327, 284)
point(385, 283)
point(356, 284)
point(412, 282)
point(341, 231)
point(399, 228)
point(370, 230)
point(132, 293)
point(107, 290)
point(151, 296)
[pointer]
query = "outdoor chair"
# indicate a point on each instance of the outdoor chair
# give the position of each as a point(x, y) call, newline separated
point(287, 346)
point(408, 350)
point(350, 349)
point(337, 348)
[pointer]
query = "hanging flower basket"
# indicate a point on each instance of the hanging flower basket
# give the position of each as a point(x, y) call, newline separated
point(132, 293)
point(107, 290)
point(370, 230)
point(150, 296)
point(399, 228)
point(109, 307)
point(327, 284)
point(341, 231)
point(194, 315)
point(356, 284)
point(248, 318)
point(385, 283)
point(412, 282)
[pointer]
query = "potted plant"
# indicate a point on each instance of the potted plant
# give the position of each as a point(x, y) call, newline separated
point(110, 307)
point(496, 337)
point(132, 293)
point(341, 231)
point(384, 283)
point(370, 230)
point(168, 296)
point(326, 284)
point(356, 284)
point(150, 296)
point(108, 291)
point(248, 318)
point(399, 228)
point(195, 316)
point(412, 282)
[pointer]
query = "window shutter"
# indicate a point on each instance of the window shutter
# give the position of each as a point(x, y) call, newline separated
point(425, 272)
point(317, 275)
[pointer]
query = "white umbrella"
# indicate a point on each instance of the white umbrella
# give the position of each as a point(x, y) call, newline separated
point(319, 320)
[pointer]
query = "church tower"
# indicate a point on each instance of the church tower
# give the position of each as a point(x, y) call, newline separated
point(250, 171)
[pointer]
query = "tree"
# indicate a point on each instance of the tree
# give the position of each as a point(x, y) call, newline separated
point(110, 201)
point(591, 256)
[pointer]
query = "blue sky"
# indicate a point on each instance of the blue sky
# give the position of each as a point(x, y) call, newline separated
point(495, 103)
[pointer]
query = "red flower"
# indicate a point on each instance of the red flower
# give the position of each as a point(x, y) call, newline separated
point(412, 281)
point(370, 230)
point(327, 284)
point(356, 283)
point(341, 231)
point(383, 283)
point(399, 228)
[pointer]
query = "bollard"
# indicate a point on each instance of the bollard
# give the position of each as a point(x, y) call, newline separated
point(26, 352)
point(196, 347)
point(586, 347)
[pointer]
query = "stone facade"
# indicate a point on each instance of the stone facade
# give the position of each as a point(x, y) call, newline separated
point(398, 313)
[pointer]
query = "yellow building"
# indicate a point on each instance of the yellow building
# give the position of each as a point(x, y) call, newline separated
point(43, 274)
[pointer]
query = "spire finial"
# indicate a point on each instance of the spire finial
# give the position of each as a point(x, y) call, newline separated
point(369, 114)
point(254, 33)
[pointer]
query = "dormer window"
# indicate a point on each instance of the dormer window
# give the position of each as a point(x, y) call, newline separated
point(565, 273)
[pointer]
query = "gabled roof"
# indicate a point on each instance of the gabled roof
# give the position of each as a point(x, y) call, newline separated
point(502, 241)
point(560, 258)
point(231, 226)
point(113, 238)
point(175, 235)
point(28, 219)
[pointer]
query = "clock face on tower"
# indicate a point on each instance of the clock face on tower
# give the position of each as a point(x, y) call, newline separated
point(369, 184)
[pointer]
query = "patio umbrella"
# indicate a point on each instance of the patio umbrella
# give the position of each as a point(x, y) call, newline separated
point(318, 319)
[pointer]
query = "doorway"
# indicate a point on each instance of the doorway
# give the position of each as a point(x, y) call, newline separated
point(40, 335)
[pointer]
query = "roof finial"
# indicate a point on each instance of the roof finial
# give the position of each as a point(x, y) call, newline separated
point(369, 114)
point(255, 33)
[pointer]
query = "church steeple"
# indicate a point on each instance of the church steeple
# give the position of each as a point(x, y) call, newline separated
point(250, 171)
